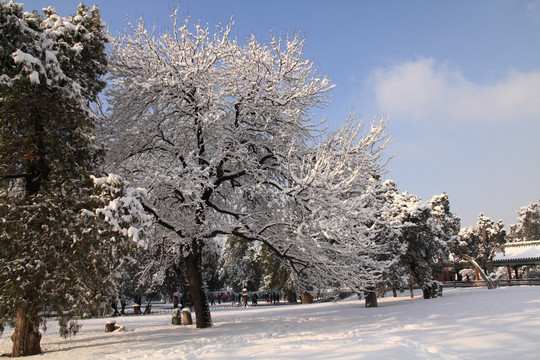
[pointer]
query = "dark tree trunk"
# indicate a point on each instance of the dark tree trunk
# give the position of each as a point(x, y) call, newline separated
point(196, 288)
point(411, 291)
point(394, 292)
point(26, 337)
point(371, 298)
point(306, 298)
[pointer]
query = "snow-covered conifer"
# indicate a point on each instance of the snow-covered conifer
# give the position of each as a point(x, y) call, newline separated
point(425, 235)
point(56, 254)
point(528, 224)
point(449, 222)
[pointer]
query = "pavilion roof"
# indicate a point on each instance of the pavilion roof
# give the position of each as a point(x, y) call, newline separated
point(518, 253)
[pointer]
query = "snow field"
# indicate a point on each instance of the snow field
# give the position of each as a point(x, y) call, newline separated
point(473, 323)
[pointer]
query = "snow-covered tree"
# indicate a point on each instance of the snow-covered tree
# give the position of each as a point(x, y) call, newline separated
point(480, 242)
point(528, 225)
point(395, 276)
point(334, 218)
point(56, 253)
point(387, 231)
point(449, 222)
point(221, 135)
point(424, 240)
point(240, 266)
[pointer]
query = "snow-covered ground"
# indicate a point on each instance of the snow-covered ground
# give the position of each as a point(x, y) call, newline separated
point(465, 324)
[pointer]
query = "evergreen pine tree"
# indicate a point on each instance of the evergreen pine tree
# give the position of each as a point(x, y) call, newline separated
point(56, 255)
point(425, 247)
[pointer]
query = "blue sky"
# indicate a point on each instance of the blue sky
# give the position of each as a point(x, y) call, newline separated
point(459, 81)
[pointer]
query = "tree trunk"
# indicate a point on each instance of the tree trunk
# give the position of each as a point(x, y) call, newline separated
point(490, 283)
point(26, 337)
point(186, 314)
point(411, 291)
point(394, 292)
point(110, 327)
point(371, 298)
point(196, 288)
point(306, 298)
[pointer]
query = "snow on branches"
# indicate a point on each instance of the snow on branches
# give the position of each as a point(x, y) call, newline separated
point(124, 211)
point(49, 47)
point(221, 134)
point(336, 188)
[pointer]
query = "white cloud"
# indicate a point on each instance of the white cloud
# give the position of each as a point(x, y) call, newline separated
point(533, 9)
point(422, 90)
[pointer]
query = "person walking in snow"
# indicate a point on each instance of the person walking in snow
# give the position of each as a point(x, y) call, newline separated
point(114, 307)
point(254, 299)
point(123, 304)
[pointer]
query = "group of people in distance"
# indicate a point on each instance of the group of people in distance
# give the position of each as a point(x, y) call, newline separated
point(242, 298)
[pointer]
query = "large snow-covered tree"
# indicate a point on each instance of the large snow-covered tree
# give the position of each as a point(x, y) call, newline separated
point(56, 254)
point(221, 135)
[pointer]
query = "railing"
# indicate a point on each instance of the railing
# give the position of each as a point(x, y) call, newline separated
point(500, 282)
point(518, 282)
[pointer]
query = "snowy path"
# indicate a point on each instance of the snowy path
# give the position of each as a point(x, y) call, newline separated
point(464, 324)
